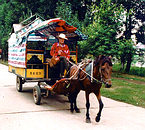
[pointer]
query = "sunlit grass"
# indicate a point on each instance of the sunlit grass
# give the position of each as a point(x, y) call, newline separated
point(126, 91)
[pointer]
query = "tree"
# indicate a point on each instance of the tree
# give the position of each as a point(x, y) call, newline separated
point(140, 35)
point(47, 8)
point(125, 50)
point(135, 14)
point(63, 10)
point(103, 31)
point(103, 20)
point(8, 17)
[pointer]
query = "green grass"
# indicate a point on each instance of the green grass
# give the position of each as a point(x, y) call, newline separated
point(4, 62)
point(127, 76)
point(126, 90)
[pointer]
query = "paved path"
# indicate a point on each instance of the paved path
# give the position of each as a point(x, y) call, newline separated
point(18, 111)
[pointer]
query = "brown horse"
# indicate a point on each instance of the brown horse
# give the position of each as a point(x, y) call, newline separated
point(90, 83)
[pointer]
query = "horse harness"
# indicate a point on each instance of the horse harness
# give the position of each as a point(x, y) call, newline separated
point(88, 68)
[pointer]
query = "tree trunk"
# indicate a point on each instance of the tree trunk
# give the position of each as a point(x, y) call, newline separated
point(129, 60)
point(128, 36)
point(122, 62)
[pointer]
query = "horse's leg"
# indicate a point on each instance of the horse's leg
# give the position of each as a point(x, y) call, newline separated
point(75, 103)
point(70, 97)
point(100, 107)
point(88, 120)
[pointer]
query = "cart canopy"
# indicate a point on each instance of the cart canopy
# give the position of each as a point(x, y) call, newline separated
point(38, 30)
point(49, 27)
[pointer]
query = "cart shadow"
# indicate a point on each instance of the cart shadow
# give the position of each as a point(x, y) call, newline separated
point(53, 100)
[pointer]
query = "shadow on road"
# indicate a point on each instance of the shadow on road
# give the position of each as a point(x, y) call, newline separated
point(53, 101)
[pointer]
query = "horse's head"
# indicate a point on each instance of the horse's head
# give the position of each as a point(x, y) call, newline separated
point(104, 69)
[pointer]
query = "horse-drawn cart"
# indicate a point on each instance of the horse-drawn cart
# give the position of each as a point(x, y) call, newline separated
point(29, 47)
point(29, 50)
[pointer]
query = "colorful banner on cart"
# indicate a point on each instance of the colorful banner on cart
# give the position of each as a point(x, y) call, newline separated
point(25, 30)
point(17, 52)
point(17, 55)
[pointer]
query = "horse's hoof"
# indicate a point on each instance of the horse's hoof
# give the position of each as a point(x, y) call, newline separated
point(88, 120)
point(97, 118)
point(72, 110)
point(77, 110)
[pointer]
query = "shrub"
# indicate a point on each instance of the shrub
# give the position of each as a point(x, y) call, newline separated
point(140, 71)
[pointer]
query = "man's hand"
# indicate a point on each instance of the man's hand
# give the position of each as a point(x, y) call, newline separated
point(57, 58)
point(59, 52)
point(67, 59)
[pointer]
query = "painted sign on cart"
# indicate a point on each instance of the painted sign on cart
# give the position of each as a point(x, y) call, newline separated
point(17, 44)
point(17, 54)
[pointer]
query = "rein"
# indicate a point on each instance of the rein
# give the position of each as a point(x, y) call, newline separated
point(87, 74)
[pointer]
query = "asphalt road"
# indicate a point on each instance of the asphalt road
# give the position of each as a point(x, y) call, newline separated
point(18, 111)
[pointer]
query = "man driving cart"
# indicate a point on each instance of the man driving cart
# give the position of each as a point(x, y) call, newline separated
point(60, 54)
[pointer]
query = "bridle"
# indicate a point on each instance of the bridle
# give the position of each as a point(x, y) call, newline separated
point(101, 76)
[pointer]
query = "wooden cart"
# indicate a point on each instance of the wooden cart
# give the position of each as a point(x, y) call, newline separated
point(29, 46)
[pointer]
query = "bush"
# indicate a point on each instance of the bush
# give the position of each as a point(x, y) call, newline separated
point(140, 71)
point(116, 67)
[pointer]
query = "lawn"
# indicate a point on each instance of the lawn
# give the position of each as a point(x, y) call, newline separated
point(126, 88)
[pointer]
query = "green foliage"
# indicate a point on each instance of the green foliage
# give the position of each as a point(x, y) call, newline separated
point(100, 20)
point(140, 35)
point(7, 17)
point(140, 71)
point(125, 49)
point(63, 10)
point(103, 31)
point(140, 56)
point(135, 14)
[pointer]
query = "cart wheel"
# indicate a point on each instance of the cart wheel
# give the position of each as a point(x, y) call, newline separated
point(19, 84)
point(37, 94)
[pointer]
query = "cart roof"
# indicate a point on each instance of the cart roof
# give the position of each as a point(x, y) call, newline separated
point(37, 30)
point(50, 27)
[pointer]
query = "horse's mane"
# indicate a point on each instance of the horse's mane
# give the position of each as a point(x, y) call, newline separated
point(103, 59)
